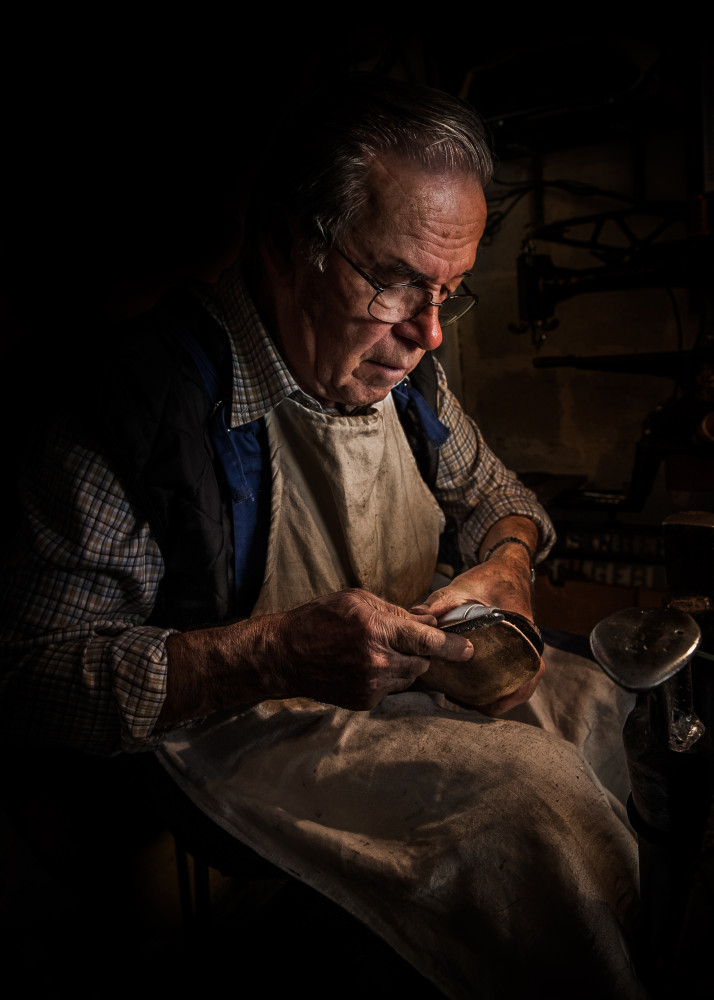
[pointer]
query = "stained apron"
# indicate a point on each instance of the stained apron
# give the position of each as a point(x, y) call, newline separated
point(494, 855)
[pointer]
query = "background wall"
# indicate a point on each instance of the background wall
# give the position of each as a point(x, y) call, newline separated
point(624, 137)
point(596, 398)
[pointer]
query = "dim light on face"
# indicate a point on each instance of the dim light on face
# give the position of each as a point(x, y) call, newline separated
point(418, 227)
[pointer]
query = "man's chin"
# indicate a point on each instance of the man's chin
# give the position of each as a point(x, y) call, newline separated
point(370, 383)
point(366, 392)
point(364, 395)
point(376, 381)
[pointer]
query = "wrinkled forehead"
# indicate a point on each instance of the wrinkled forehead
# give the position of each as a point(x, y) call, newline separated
point(399, 191)
point(425, 221)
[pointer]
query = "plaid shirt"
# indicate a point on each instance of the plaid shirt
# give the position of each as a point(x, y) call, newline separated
point(80, 666)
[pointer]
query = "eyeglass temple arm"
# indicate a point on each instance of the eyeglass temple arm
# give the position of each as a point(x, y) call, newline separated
point(368, 278)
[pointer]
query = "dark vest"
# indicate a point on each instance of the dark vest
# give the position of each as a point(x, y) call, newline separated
point(152, 412)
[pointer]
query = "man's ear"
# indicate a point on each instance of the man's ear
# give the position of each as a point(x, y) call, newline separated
point(278, 243)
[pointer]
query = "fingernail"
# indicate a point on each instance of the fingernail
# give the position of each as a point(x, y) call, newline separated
point(468, 652)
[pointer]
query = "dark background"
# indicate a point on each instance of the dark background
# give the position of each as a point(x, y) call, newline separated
point(131, 142)
point(129, 145)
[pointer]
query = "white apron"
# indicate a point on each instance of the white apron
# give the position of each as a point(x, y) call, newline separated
point(349, 509)
point(490, 853)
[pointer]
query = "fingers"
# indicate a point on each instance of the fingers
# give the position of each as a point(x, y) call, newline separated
point(482, 584)
point(471, 587)
point(444, 599)
point(352, 649)
point(425, 617)
point(413, 635)
point(386, 648)
point(418, 639)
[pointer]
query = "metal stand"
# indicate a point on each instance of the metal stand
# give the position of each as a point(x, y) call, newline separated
point(659, 654)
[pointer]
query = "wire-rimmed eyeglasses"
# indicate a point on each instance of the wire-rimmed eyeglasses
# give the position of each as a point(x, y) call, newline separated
point(401, 301)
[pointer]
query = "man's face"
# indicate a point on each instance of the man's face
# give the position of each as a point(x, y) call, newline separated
point(416, 227)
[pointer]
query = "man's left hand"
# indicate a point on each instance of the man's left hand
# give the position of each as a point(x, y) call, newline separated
point(499, 583)
point(503, 581)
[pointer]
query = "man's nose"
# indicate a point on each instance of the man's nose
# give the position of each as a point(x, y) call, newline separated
point(424, 328)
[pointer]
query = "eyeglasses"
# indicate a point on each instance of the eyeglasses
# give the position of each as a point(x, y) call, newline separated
point(401, 301)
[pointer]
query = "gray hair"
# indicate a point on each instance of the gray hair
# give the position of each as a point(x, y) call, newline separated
point(319, 165)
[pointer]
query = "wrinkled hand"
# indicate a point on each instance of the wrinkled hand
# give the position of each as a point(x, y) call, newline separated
point(502, 582)
point(352, 649)
point(493, 583)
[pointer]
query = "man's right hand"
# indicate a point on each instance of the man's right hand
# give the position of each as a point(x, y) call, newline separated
point(349, 649)
point(352, 649)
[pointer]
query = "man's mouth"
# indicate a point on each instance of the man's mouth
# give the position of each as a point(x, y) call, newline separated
point(391, 368)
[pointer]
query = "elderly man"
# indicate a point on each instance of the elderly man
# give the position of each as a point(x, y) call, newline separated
point(228, 554)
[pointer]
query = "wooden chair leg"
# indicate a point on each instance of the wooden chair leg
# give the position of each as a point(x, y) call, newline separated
point(195, 900)
point(202, 893)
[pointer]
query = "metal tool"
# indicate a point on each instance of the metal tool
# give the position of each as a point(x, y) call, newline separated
point(468, 617)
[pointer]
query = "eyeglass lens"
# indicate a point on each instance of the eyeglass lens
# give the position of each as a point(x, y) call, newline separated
point(398, 303)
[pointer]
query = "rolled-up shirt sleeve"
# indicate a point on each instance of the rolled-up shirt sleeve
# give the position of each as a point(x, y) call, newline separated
point(80, 666)
point(474, 487)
